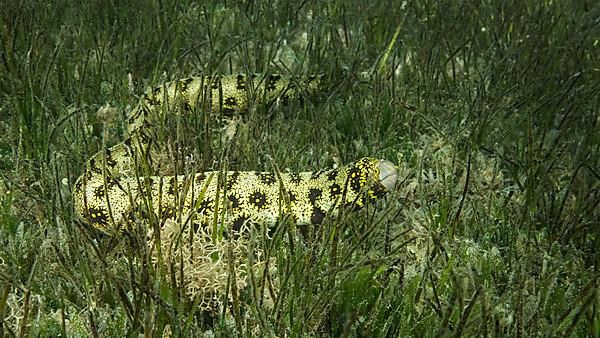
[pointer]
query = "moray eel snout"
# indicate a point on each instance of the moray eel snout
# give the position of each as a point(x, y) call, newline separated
point(388, 174)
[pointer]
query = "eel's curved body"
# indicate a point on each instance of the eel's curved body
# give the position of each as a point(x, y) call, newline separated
point(109, 193)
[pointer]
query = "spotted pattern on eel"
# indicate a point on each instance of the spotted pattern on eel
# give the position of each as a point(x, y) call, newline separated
point(109, 193)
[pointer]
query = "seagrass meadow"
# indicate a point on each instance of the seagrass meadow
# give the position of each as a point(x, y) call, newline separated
point(490, 111)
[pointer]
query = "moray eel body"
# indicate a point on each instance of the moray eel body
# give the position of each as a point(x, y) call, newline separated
point(109, 193)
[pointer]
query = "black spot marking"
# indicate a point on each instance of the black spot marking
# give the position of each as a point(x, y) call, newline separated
point(148, 100)
point(171, 186)
point(295, 178)
point(94, 167)
point(272, 82)
point(332, 175)
point(200, 177)
point(99, 191)
point(130, 216)
point(78, 185)
point(317, 216)
point(267, 178)
point(293, 197)
point(232, 180)
point(111, 182)
point(167, 212)
point(98, 216)
point(230, 102)
point(258, 199)
point(205, 206)
point(315, 175)
point(184, 84)
point(109, 159)
point(335, 190)
point(313, 195)
point(377, 190)
point(240, 82)
point(215, 82)
point(239, 223)
point(234, 201)
point(354, 175)
point(89, 174)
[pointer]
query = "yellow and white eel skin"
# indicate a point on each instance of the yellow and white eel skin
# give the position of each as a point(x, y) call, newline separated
point(111, 192)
